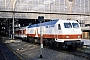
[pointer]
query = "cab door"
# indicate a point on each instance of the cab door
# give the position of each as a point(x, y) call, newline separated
point(58, 30)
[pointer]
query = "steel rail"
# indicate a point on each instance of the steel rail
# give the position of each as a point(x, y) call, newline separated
point(81, 54)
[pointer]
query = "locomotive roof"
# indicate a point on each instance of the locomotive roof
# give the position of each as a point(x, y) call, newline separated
point(44, 24)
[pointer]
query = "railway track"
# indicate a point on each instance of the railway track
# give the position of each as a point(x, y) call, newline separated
point(76, 53)
point(81, 54)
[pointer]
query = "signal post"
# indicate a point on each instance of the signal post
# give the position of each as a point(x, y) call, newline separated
point(40, 19)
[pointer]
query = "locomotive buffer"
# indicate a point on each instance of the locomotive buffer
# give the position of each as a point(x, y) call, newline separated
point(40, 19)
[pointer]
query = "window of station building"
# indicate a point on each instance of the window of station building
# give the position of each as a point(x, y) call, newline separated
point(59, 27)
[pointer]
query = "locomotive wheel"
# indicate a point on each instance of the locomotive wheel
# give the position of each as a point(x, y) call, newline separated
point(45, 43)
point(65, 47)
point(51, 44)
point(55, 45)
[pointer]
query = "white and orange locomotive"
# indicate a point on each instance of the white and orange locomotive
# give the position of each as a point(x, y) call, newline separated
point(55, 33)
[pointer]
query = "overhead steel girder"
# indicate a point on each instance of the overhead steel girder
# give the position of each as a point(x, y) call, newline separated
point(46, 13)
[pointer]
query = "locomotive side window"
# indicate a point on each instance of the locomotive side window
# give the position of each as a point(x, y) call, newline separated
point(59, 27)
point(67, 25)
point(75, 25)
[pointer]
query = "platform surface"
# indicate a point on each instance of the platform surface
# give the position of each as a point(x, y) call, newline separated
point(6, 53)
point(86, 41)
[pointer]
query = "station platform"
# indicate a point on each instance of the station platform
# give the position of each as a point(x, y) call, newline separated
point(86, 42)
point(6, 53)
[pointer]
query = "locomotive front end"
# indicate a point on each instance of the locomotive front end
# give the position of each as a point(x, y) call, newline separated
point(70, 34)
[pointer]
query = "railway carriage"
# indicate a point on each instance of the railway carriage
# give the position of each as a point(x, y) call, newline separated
point(56, 33)
point(21, 32)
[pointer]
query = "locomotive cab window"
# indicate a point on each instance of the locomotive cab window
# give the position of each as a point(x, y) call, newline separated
point(67, 25)
point(59, 27)
point(75, 25)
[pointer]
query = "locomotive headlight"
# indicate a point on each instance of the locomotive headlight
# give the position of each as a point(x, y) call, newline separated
point(78, 36)
point(67, 36)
